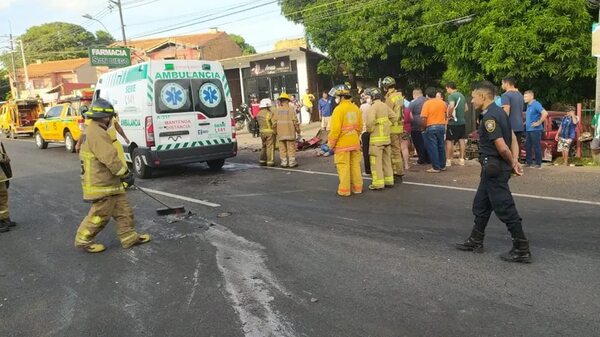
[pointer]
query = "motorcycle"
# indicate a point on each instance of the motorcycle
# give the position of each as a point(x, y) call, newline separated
point(243, 118)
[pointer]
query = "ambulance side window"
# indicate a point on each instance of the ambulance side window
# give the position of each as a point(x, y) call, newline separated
point(172, 96)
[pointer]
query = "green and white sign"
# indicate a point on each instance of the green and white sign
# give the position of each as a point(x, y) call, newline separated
point(110, 57)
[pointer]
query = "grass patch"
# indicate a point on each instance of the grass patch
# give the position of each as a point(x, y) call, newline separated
point(583, 161)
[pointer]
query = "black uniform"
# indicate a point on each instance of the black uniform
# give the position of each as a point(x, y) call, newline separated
point(493, 193)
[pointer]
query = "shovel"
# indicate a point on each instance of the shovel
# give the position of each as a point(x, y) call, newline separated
point(167, 210)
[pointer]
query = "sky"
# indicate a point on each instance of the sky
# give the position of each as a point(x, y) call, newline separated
point(260, 21)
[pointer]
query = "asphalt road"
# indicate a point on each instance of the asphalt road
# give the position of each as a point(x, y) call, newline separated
point(282, 255)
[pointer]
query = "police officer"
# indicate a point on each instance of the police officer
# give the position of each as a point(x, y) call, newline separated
point(103, 176)
point(395, 100)
point(498, 155)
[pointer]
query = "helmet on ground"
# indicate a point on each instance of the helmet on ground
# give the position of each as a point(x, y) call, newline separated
point(387, 82)
point(100, 108)
point(374, 93)
point(284, 96)
point(341, 90)
point(265, 103)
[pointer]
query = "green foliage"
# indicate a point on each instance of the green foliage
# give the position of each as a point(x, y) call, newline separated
point(4, 85)
point(56, 41)
point(544, 44)
point(240, 41)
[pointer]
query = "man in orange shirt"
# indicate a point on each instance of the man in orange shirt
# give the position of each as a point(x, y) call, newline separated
point(434, 124)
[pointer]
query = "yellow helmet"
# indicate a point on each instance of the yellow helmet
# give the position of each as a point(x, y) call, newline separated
point(284, 96)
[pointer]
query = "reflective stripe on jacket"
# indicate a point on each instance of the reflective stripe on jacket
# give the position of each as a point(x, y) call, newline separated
point(346, 125)
point(379, 117)
point(265, 123)
point(395, 101)
point(101, 167)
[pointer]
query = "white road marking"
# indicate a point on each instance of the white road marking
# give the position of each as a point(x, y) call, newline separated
point(263, 194)
point(521, 195)
point(249, 283)
point(181, 197)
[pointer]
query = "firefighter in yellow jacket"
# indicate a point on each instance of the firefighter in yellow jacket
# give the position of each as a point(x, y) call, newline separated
point(5, 173)
point(344, 141)
point(379, 117)
point(267, 135)
point(285, 125)
point(103, 176)
point(395, 101)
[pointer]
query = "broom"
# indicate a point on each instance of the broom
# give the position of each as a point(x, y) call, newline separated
point(167, 210)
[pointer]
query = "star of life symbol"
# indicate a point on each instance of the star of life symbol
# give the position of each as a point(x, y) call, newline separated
point(210, 95)
point(173, 96)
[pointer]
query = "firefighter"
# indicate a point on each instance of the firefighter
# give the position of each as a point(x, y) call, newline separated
point(285, 125)
point(5, 174)
point(379, 117)
point(267, 135)
point(104, 178)
point(344, 141)
point(395, 101)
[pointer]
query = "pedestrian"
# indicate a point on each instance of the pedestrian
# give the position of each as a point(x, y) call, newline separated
point(307, 105)
point(405, 136)
point(287, 129)
point(566, 133)
point(325, 109)
point(456, 130)
point(415, 107)
point(5, 175)
point(394, 100)
point(513, 104)
point(595, 144)
point(103, 178)
point(254, 105)
point(434, 121)
point(379, 117)
point(534, 126)
point(343, 139)
point(296, 106)
point(365, 135)
point(267, 133)
point(498, 153)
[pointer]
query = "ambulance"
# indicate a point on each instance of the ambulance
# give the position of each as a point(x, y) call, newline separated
point(173, 112)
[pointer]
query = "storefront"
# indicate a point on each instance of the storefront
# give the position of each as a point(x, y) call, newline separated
point(267, 75)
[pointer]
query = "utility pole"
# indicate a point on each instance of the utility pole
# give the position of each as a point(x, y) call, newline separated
point(14, 67)
point(27, 84)
point(118, 3)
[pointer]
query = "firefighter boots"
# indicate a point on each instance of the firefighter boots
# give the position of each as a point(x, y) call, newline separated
point(4, 224)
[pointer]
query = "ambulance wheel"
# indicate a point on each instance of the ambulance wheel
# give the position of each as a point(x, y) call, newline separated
point(69, 142)
point(216, 164)
point(140, 169)
point(40, 142)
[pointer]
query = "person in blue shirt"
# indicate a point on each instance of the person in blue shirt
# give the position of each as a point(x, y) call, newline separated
point(566, 133)
point(325, 110)
point(534, 126)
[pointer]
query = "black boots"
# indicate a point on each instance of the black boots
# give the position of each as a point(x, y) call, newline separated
point(519, 252)
point(4, 224)
point(474, 243)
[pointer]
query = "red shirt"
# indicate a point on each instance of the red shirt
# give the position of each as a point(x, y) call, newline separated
point(254, 109)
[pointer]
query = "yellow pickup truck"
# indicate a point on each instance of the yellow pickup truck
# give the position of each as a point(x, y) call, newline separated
point(61, 124)
point(18, 117)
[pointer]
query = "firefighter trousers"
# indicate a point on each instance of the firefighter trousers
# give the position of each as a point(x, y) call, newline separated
point(114, 206)
point(397, 163)
point(4, 201)
point(381, 165)
point(348, 168)
point(267, 154)
point(287, 152)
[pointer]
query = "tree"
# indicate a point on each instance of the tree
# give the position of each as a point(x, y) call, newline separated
point(57, 41)
point(4, 85)
point(246, 48)
point(543, 43)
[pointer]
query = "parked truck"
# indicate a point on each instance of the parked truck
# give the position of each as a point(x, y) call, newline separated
point(18, 117)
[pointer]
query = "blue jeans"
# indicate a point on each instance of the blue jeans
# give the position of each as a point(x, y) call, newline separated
point(434, 141)
point(533, 140)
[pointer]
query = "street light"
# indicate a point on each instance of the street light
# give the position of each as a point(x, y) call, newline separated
point(89, 17)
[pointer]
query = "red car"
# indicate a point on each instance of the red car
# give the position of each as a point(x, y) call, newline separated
point(549, 145)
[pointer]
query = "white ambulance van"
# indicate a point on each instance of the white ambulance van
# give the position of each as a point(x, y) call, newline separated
point(173, 112)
